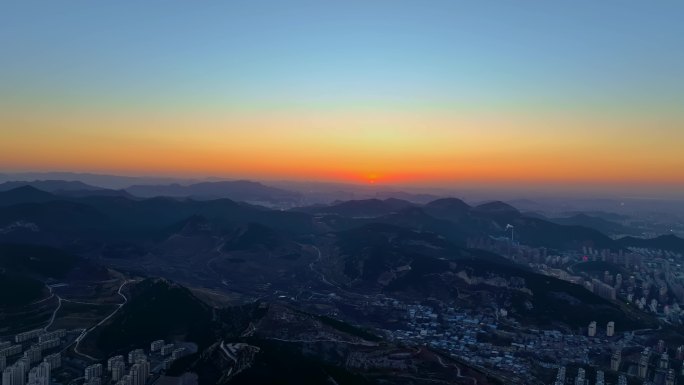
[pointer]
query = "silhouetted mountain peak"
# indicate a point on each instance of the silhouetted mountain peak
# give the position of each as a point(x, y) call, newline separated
point(240, 190)
point(24, 194)
point(448, 203)
point(49, 185)
point(26, 189)
point(497, 207)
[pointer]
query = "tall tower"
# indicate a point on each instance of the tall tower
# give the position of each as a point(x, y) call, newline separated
point(643, 364)
point(592, 329)
point(670, 378)
point(579, 380)
point(664, 362)
point(615, 360)
point(600, 379)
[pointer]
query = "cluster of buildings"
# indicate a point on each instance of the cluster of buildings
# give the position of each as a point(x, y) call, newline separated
point(31, 358)
point(137, 367)
point(655, 280)
point(582, 378)
point(656, 367)
point(652, 280)
point(493, 341)
point(592, 329)
point(487, 338)
point(30, 365)
point(479, 340)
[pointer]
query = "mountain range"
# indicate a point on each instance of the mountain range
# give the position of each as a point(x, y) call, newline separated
point(61, 218)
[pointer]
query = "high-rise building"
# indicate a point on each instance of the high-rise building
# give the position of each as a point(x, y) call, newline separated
point(580, 380)
point(592, 329)
point(156, 346)
point(24, 366)
point(660, 348)
point(34, 354)
point(610, 329)
point(670, 378)
point(25, 336)
point(48, 344)
point(600, 380)
point(607, 277)
point(112, 360)
point(40, 375)
point(144, 367)
point(177, 353)
point(664, 362)
point(134, 355)
point(93, 371)
point(3, 363)
point(560, 376)
point(603, 289)
point(14, 375)
point(118, 370)
point(166, 365)
point(643, 363)
point(615, 360)
point(167, 349)
point(52, 335)
point(125, 380)
point(55, 360)
point(7, 376)
point(10, 350)
point(138, 376)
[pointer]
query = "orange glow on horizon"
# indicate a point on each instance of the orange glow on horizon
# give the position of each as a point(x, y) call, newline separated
point(376, 148)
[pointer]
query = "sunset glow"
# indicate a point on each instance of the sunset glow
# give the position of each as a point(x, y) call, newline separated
point(369, 96)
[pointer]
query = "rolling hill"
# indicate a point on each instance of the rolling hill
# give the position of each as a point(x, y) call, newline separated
point(241, 190)
point(158, 309)
point(664, 242)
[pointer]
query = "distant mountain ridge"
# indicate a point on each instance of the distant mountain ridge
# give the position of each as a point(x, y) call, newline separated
point(53, 219)
point(239, 190)
point(668, 242)
point(101, 180)
point(360, 208)
point(595, 222)
point(65, 188)
point(458, 221)
point(50, 185)
point(25, 194)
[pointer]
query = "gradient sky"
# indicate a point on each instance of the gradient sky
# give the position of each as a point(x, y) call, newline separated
point(420, 92)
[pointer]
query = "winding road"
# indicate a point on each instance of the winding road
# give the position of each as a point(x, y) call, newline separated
point(458, 370)
point(318, 259)
point(54, 313)
point(85, 332)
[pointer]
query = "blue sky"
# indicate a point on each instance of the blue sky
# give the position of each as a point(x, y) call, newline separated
point(438, 92)
point(344, 53)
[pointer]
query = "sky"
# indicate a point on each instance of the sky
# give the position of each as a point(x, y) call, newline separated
point(435, 93)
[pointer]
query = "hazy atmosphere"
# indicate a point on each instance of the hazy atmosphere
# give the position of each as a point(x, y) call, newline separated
point(324, 192)
point(436, 93)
